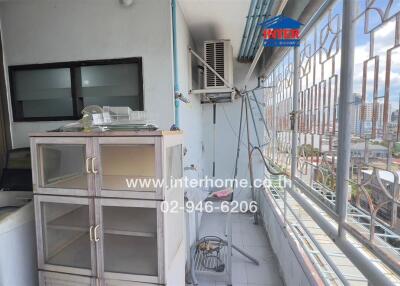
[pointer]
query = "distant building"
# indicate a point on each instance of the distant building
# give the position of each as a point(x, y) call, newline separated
point(363, 124)
point(394, 117)
point(357, 114)
point(374, 150)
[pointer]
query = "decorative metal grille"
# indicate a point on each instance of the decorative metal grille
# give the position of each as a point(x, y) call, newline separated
point(374, 195)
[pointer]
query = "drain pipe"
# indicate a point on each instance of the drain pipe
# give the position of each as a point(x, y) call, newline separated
point(177, 94)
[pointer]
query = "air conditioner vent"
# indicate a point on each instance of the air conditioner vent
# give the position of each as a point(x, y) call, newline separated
point(218, 54)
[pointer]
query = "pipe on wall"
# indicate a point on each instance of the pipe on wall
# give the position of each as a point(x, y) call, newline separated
point(175, 59)
point(258, 12)
point(249, 24)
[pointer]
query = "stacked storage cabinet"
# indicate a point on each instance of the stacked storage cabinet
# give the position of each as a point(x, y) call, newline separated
point(96, 223)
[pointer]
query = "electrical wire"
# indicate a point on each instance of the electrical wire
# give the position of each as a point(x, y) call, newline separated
point(230, 125)
point(269, 169)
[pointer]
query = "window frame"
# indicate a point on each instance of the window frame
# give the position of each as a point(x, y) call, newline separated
point(76, 85)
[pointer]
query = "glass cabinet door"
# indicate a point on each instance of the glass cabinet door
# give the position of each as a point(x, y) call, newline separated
point(129, 167)
point(63, 166)
point(65, 235)
point(130, 244)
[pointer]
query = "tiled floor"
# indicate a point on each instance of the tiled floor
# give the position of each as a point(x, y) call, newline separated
point(252, 239)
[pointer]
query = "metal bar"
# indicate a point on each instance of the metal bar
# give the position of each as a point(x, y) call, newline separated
point(274, 117)
point(239, 142)
point(261, 114)
point(258, 40)
point(302, 243)
point(261, 49)
point(253, 28)
point(308, 192)
point(321, 249)
point(245, 254)
point(317, 244)
point(345, 106)
point(254, 121)
point(282, 52)
point(249, 150)
point(210, 68)
point(367, 267)
point(255, 36)
point(210, 90)
point(248, 26)
point(294, 126)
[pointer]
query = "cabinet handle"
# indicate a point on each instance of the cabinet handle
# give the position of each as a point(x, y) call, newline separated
point(94, 171)
point(91, 233)
point(87, 165)
point(96, 239)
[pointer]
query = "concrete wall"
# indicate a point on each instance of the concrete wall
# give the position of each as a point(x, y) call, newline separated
point(190, 118)
point(190, 113)
point(223, 140)
point(53, 31)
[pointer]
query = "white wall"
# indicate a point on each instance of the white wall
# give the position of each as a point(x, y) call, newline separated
point(190, 113)
point(54, 30)
point(226, 135)
point(190, 117)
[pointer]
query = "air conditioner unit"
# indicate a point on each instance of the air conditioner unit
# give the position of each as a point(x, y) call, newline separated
point(218, 55)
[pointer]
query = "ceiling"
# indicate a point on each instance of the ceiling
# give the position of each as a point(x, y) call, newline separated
point(216, 19)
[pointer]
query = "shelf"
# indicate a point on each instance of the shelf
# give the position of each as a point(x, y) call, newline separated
point(72, 220)
point(130, 221)
point(74, 182)
point(118, 183)
point(76, 253)
point(116, 220)
point(130, 255)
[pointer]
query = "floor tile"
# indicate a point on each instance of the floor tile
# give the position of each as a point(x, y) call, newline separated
point(253, 240)
point(263, 254)
point(263, 274)
point(236, 227)
point(237, 239)
point(239, 272)
point(257, 238)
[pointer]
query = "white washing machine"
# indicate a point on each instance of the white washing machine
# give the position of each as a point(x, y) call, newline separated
point(18, 265)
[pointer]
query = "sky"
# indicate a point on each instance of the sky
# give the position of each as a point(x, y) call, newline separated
point(383, 37)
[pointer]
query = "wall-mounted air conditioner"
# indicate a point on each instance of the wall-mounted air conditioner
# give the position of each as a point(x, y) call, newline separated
point(218, 55)
point(217, 72)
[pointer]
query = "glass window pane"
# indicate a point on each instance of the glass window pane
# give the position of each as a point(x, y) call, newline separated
point(63, 166)
point(111, 85)
point(43, 93)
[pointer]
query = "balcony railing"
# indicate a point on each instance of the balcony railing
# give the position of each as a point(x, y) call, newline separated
point(334, 126)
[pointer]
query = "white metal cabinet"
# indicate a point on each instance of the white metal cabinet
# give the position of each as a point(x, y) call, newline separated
point(100, 231)
point(102, 237)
